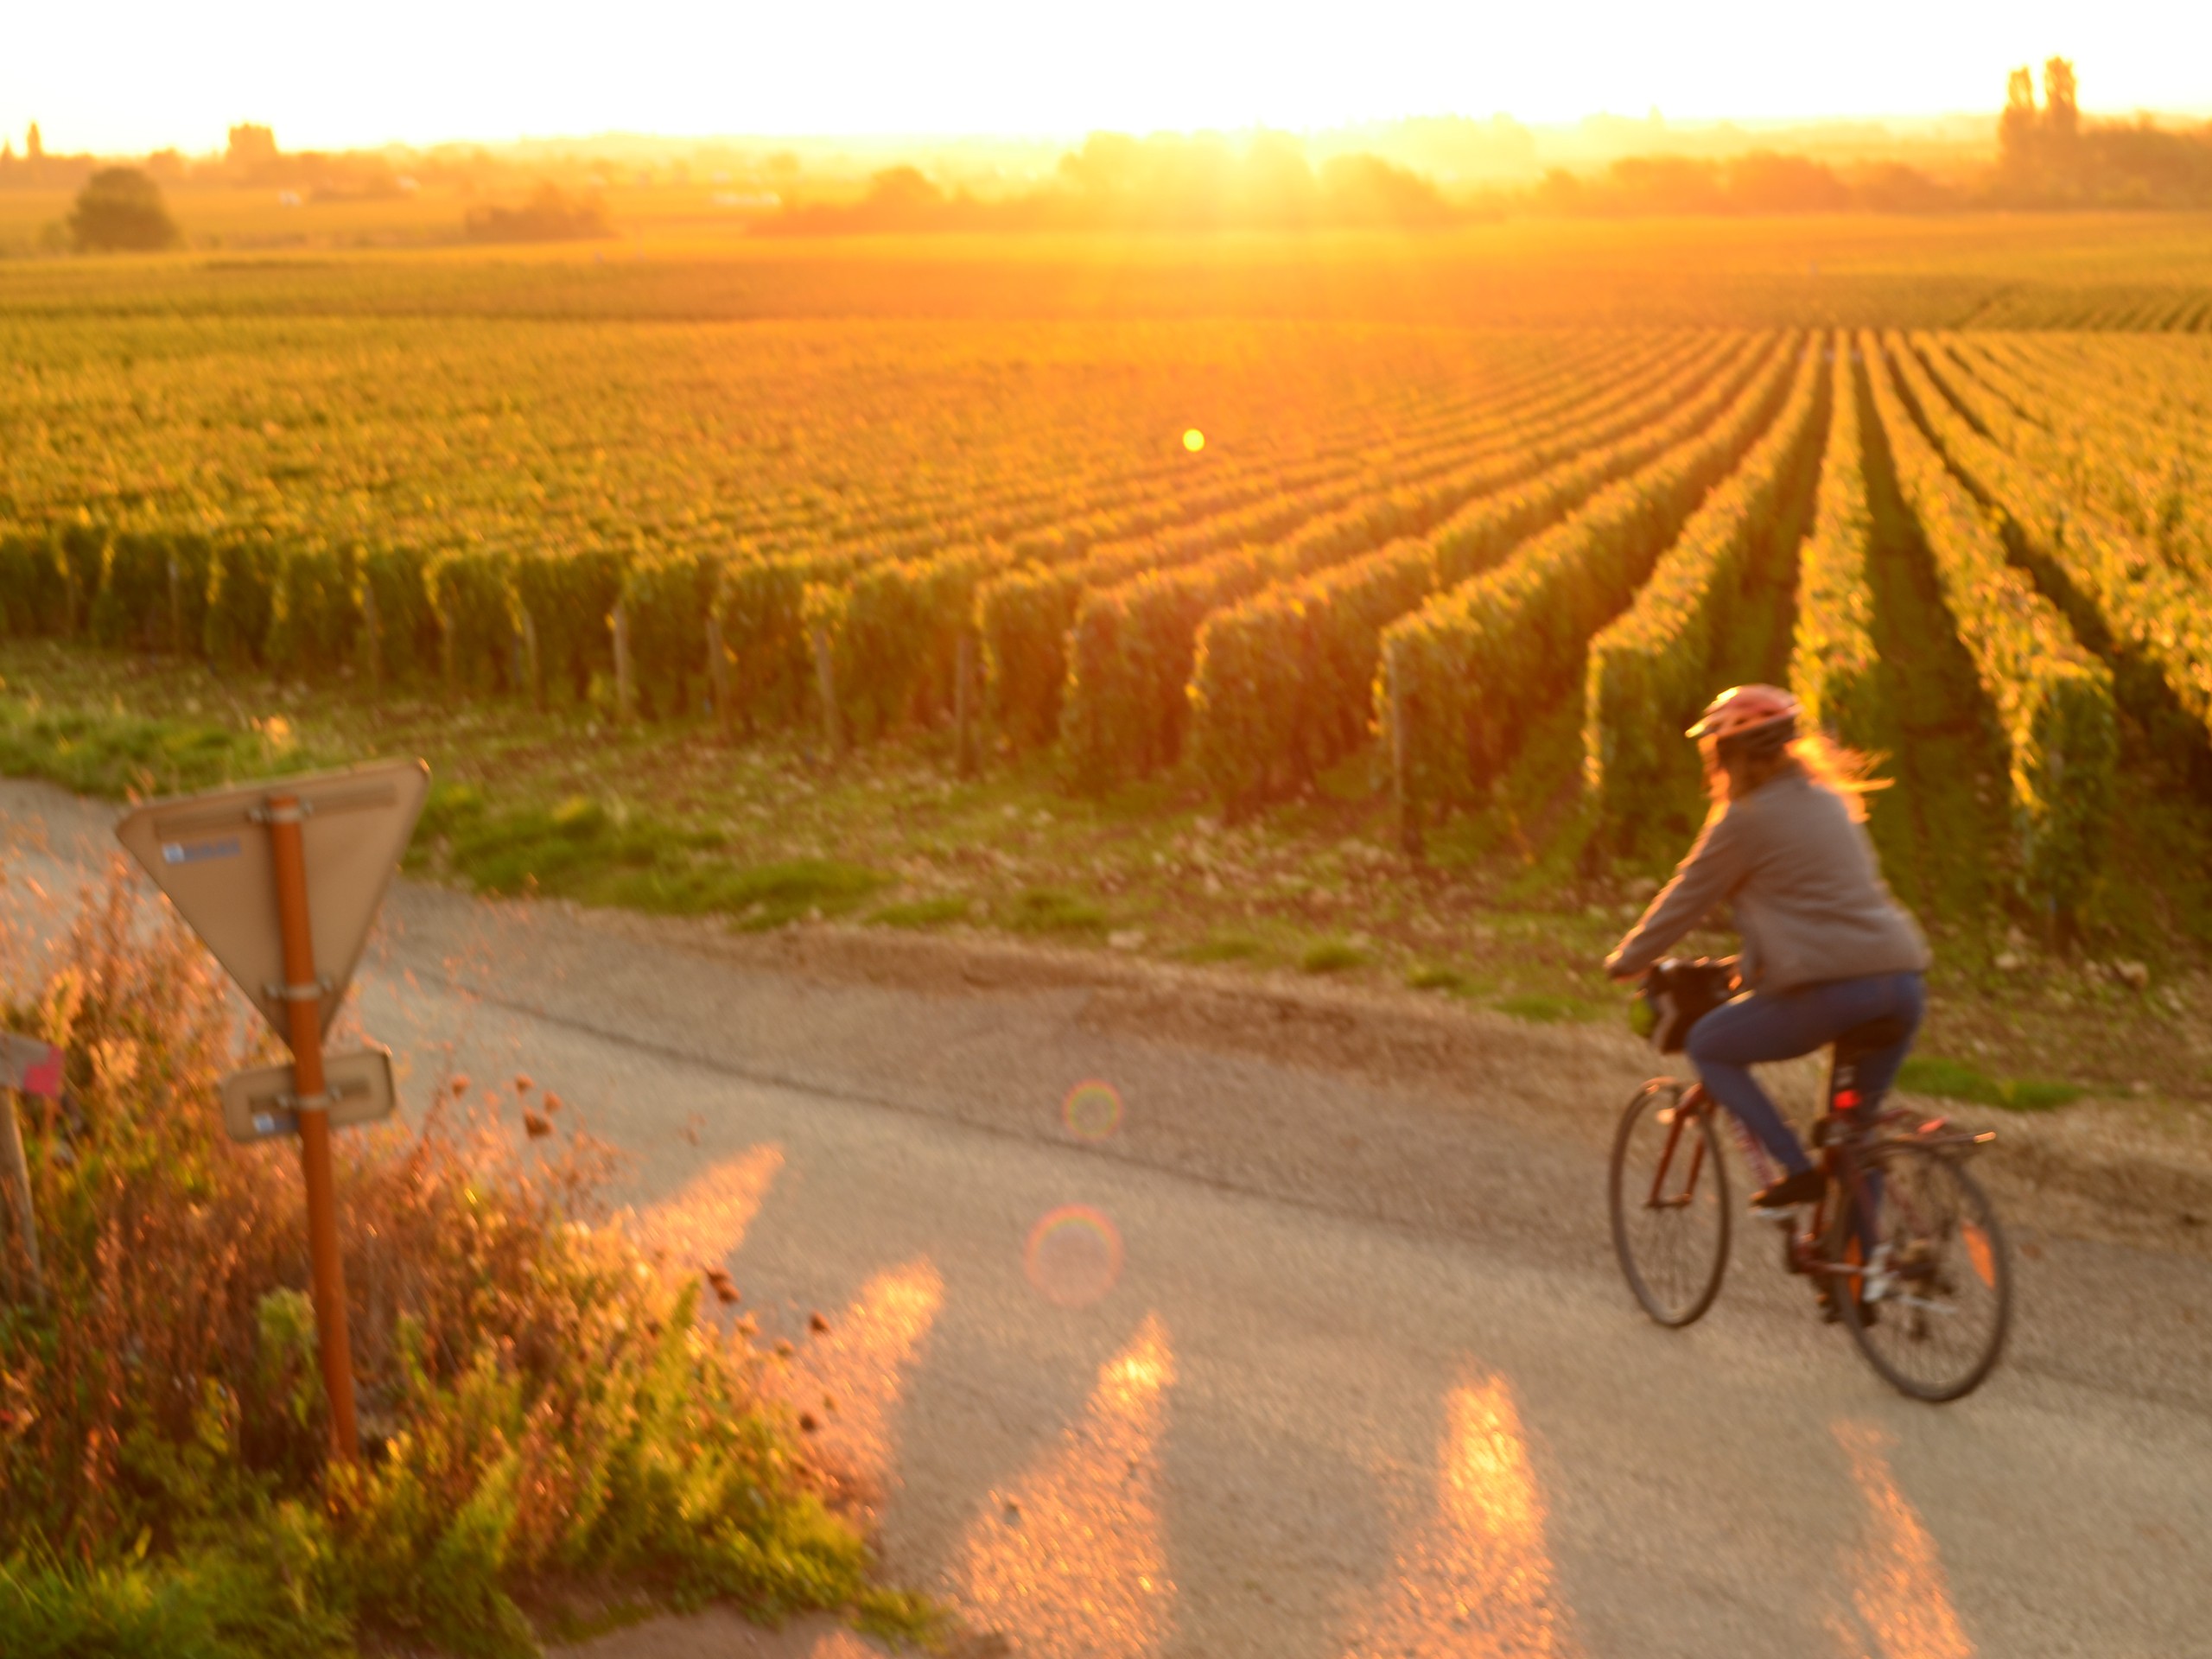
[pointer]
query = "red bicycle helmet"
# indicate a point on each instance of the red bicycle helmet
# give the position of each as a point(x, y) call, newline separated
point(1743, 708)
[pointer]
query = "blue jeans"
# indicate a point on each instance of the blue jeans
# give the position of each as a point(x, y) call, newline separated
point(1783, 1025)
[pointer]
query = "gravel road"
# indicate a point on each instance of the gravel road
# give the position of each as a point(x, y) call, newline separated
point(1306, 1339)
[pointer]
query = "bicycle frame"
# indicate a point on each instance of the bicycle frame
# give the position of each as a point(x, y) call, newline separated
point(1853, 1155)
point(1850, 1154)
point(1686, 1106)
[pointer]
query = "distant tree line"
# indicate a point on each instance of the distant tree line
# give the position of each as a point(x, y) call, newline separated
point(548, 214)
point(1761, 181)
point(2048, 156)
point(1166, 182)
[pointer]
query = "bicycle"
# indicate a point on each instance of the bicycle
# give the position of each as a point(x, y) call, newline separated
point(1903, 1248)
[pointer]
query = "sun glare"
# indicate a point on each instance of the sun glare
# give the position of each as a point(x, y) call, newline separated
point(1474, 1580)
point(1897, 1583)
point(703, 1223)
point(1194, 440)
point(849, 1381)
point(1073, 1560)
point(336, 76)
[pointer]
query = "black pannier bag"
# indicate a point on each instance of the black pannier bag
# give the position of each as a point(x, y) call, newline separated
point(1676, 994)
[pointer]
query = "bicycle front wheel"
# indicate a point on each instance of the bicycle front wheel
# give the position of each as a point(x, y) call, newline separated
point(1668, 1192)
point(1936, 1304)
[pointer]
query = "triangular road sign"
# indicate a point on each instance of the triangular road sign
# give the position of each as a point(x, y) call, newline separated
point(210, 854)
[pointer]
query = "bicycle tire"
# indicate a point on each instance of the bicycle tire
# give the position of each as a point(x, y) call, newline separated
point(1674, 1288)
point(1932, 1205)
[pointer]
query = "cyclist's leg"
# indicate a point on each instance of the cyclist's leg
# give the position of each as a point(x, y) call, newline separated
point(1905, 997)
point(1726, 1043)
point(1877, 1068)
point(1763, 1026)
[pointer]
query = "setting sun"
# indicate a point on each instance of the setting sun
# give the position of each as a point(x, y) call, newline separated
point(421, 73)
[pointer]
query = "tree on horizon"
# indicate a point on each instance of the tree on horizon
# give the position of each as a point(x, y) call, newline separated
point(120, 210)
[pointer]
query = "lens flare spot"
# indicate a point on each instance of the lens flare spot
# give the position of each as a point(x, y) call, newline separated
point(1194, 440)
point(1092, 1110)
point(1073, 1256)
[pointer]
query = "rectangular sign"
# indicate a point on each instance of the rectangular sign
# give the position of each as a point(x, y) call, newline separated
point(30, 1066)
point(259, 1103)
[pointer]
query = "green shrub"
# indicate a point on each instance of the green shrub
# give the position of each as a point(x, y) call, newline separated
point(1833, 666)
point(1476, 664)
point(2054, 700)
point(1283, 684)
point(1930, 1074)
point(567, 593)
point(1431, 976)
point(903, 625)
point(1652, 668)
point(314, 616)
point(480, 633)
point(1332, 957)
point(241, 594)
point(759, 602)
point(924, 912)
point(666, 596)
point(1049, 909)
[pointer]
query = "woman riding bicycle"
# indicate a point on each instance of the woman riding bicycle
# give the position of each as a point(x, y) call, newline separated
point(1826, 947)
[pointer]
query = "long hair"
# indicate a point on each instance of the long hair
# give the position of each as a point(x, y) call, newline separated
point(1845, 772)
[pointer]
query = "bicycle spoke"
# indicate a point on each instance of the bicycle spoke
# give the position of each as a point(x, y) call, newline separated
point(1938, 1288)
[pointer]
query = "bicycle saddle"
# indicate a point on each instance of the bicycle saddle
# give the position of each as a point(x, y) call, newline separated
point(1864, 1039)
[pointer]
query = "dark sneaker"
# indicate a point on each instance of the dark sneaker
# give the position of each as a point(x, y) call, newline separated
point(1804, 1187)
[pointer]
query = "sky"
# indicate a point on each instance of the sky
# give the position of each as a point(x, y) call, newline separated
point(133, 75)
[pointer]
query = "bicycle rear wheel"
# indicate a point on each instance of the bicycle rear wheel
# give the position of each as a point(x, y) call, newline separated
point(1668, 1193)
point(1933, 1321)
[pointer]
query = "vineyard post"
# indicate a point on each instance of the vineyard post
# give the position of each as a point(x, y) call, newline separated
point(371, 635)
point(825, 682)
point(533, 671)
point(625, 687)
point(963, 705)
point(718, 675)
point(1402, 792)
point(176, 607)
point(448, 653)
point(68, 589)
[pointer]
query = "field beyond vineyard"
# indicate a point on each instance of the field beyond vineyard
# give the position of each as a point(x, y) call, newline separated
point(1332, 604)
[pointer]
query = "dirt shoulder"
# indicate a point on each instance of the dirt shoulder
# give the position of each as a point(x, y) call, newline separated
point(2125, 1171)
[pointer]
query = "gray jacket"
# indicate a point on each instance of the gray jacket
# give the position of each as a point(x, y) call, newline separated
point(1802, 880)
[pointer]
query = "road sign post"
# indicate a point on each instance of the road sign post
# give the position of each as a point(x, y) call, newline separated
point(303, 998)
point(282, 880)
point(30, 1067)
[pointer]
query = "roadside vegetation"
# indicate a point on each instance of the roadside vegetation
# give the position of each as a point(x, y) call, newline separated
point(1509, 910)
point(557, 1438)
